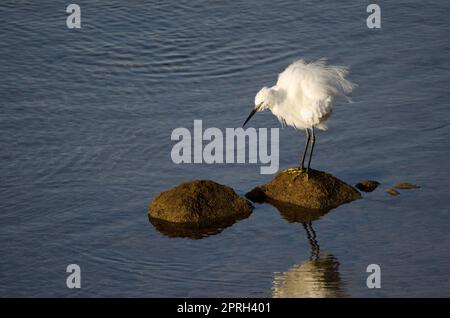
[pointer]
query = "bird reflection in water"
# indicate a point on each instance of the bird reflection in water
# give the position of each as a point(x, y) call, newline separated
point(317, 277)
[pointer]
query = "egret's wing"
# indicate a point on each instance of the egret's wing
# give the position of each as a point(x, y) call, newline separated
point(311, 88)
point(315, 81)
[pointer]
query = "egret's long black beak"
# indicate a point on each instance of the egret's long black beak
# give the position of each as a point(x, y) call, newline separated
point(251, 114)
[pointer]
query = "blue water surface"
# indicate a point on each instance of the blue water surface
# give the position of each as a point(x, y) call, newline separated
point(86, 117)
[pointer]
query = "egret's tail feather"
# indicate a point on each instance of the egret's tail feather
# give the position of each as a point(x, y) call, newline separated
point(333, 76)
point(342, 86)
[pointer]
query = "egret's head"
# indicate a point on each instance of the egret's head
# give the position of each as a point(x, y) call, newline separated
point(264, 99)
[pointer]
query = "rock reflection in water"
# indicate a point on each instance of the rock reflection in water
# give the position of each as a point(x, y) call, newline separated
point(192, 231)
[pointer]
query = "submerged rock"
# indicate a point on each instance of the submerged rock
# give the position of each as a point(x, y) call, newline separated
point(406, 186)
point(367, 185)
point(199, 203)
point(315, 190)
point(392, 191)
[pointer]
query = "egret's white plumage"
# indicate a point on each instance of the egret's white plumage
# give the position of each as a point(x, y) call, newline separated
point(304, 94)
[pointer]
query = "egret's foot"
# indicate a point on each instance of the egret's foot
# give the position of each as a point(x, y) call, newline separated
point(307, 174)
point(308, 171)
point(292, 170)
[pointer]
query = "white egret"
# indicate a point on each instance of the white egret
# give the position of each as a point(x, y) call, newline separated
point(303, 97)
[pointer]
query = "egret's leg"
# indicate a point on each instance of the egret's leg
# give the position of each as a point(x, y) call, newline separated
point(302, 165)
point(313, 141)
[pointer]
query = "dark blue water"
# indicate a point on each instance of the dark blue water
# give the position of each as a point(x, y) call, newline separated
point(85, 122)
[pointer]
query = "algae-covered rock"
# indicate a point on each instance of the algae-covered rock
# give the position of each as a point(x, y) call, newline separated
point(199, 202)
point(316, 190)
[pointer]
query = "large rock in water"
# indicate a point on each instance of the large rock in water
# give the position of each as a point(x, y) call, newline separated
point(315, 190)
point(199, 203)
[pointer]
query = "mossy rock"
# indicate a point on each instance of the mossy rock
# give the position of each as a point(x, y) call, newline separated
point(316, 190)
point(199, 203)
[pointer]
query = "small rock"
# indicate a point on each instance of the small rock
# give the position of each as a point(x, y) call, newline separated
point(256, 195)
point(392, 191)
point(367, 185)
point(406, 186)
point(200, 203)
point(314, 190)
